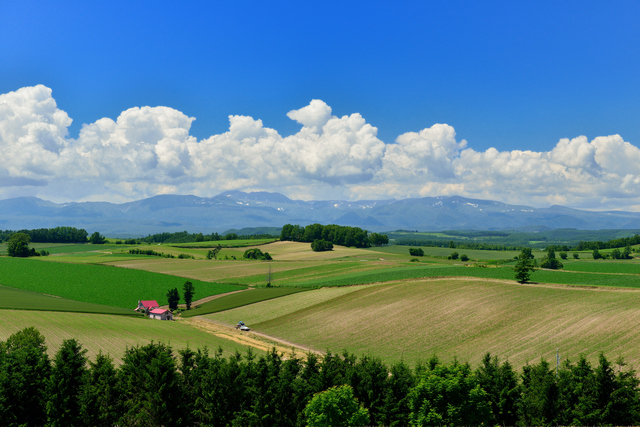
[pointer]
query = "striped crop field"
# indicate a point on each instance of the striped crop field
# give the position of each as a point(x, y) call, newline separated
point(239, 299)
point(502, 273)
point(455, 317)
point(97, 284)
point(112, 334)
point(249, 272)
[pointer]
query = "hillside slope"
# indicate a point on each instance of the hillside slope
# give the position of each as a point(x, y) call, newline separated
point(455, 317)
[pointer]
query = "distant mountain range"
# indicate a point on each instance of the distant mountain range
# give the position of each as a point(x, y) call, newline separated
point(237, 209)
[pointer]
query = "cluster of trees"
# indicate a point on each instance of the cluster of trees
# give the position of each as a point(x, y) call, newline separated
point(336, 234)
point(455, 255)
point(416, 252)
point(550, 261)
point(615, 254)
point(173, 296)
point(257, 254)
point(615, 243)
point(320, 245)
point(50, 235)
point(155, 387)
point(18, 246)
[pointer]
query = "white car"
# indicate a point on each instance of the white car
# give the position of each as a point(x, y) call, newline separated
point(244, 328)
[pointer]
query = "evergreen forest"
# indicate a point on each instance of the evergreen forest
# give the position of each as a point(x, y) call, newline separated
point(156, 387)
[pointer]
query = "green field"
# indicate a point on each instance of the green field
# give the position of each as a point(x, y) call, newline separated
point(20, 299)
point(111, 334)
point(461, 317)
point(97, 284)
point(604, 266)
point(399, 310)
point(473, 254)
point(239, 299)
point(64, 248)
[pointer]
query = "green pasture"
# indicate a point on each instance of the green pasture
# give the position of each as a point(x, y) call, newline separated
point(454, 317)
point(473, 254)
point(91, 257)
point(64, 248)
point(113, 334)
point(240, 299)
point(604, 266)
point(20, 299)
point(97, 284)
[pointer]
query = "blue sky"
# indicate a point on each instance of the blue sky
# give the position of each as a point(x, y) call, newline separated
point(504, 75)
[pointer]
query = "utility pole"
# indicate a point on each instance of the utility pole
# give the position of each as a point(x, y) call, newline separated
point(269, 277)
point(557, 361)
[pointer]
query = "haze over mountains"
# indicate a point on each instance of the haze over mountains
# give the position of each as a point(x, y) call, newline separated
point(237, 209)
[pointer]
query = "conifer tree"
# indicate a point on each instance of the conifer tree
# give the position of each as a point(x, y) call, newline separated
point(65, 384)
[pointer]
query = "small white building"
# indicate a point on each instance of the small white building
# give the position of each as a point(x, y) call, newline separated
point(161, 314)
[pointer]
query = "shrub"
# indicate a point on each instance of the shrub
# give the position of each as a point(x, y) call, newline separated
point(576, 255)
point(320, 245)
point(563, 255)
point(454, 255)
point(464, 257)
point(416, 252)
point(415, 260)
point(256, 254)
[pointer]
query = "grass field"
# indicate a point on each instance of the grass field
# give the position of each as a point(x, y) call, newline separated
point(111, 334)
point(19, 299)
point(239, 299)
point(97, 284)
point(473, 254)
point(64, 248)
point(604, 266)
point(462, 317)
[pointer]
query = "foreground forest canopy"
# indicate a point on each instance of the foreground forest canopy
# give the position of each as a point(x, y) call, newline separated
point(155, 387)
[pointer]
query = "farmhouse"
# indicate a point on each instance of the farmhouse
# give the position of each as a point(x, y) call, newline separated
point(161, 314)
point(147, 305)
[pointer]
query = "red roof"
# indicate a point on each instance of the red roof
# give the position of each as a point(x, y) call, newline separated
point(150, 304)
point(158, 311)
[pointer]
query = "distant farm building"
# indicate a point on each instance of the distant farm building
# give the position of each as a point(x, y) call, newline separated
point(161, 314)
point(147, 305)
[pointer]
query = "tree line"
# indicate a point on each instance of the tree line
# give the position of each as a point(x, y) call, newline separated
point(50, 235)
point(156, 387)
point(335, 234)
point(454, 244)
point(186, 237)
point(615, 243)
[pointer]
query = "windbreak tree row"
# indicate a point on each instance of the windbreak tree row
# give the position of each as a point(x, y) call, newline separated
point(51, 235)
point(336, 234)
point(156, 387)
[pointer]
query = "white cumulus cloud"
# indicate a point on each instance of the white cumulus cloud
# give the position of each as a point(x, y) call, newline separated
point(149, 150)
